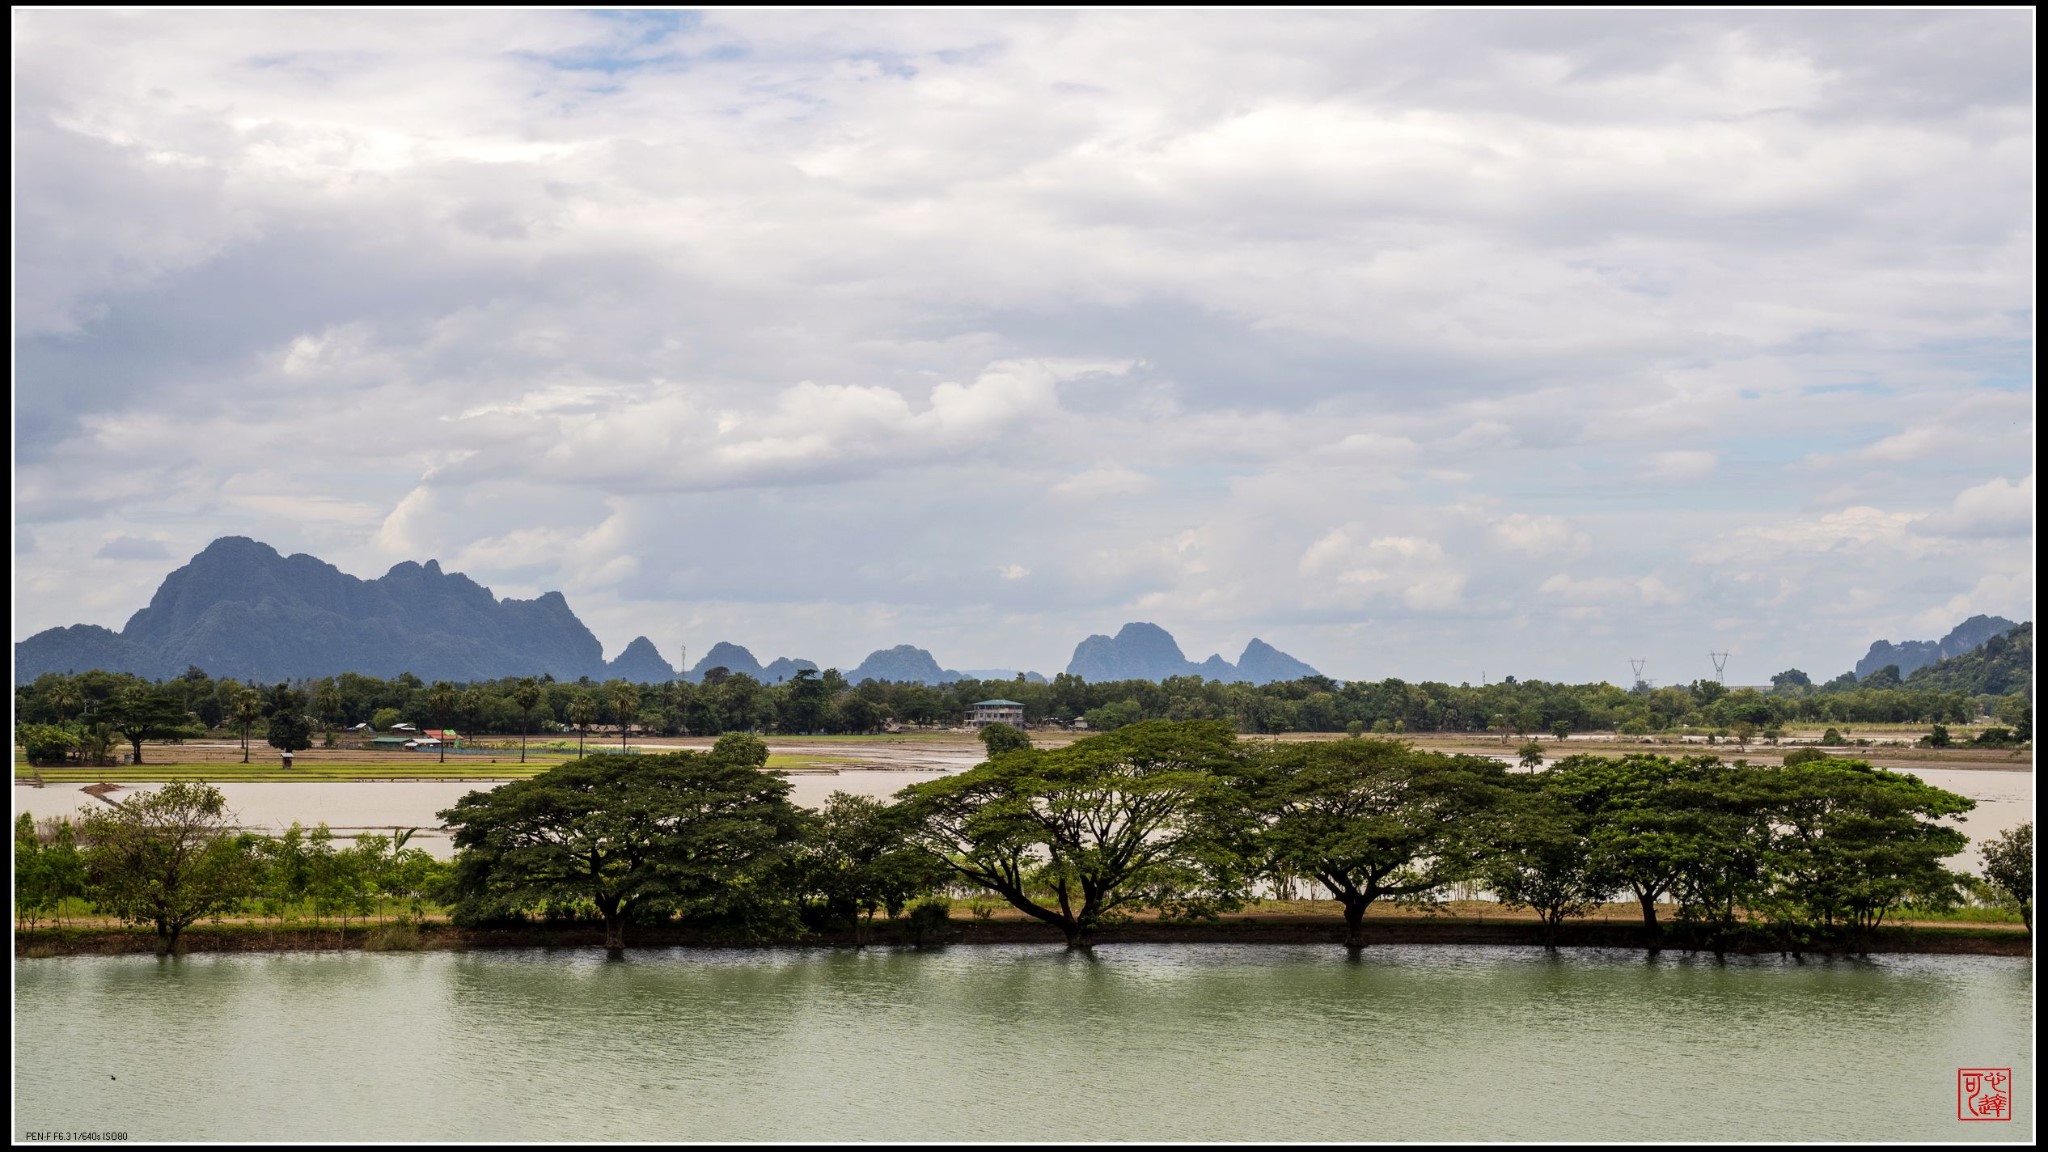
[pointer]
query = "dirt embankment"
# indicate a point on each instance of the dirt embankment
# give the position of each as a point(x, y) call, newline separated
point(1268, 929)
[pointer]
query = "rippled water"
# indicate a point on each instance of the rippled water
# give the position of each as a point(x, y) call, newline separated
point(1167, 1042)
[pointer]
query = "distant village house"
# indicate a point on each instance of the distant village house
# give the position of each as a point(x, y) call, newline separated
point(995, 712)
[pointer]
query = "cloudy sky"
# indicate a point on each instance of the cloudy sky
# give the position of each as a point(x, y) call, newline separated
point(1419, 344)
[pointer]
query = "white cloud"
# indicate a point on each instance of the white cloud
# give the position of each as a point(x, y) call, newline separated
point(1684, 464)
point(790, 302)
point(1996, 508)
point(1539, 535)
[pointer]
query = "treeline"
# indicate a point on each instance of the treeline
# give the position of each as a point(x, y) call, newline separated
point(1180, 817)
point(93, 711)
point(170, 858)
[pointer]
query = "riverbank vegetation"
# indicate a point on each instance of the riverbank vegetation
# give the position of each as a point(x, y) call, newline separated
point(1182, 822)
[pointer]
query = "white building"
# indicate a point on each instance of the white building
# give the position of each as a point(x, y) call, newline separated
point(995, 712)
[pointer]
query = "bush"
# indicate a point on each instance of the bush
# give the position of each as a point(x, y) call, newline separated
point(1804, 756)
point(46, 743)
point(1832, 738)
point(929, 919)
point(999, 738)
point(740, 748)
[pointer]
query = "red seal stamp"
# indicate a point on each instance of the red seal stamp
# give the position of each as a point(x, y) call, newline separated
point(1983, 1093)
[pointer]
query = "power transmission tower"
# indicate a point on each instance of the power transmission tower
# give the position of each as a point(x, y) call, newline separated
point(1636, 666)
point(1720, 666)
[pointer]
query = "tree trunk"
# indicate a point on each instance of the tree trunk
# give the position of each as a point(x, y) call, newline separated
point(614, 933)
point(1649, 902)
point(245, 744)
point(522, 742)
point(1354, 922)
point(1080, 937)
point(137, 742)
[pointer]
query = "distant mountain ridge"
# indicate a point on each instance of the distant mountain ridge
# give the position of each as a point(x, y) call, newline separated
point(2000, 666)
point(240, 609)
point(1143, 651)
point(1913, 655)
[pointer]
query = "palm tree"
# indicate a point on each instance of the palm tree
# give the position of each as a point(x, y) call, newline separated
point(582, 710)
point(527, 696)
point(64, 699)
point(626, 700)
point(248, 710)
point(471, 708)
point(441, 699)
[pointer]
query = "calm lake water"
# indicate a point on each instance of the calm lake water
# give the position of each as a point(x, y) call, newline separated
point(1143, 1042)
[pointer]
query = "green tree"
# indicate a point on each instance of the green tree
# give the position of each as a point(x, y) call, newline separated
point(625, 701)
point(1646, 826)
point(290, 731)
point(742, 748)
point(247, 710)
point(46, 743)
point(1077, 836)
point(147, 712)
point(999, 738)
point(383, 718)
point(2009, 868)
point(441, 703)
point(582, 713)
point(1542, 857)
point(1530, 755)
point(633, 835)
point(806, 702)
point(1369, 818)
point(1853, 841)
point(166, 858)
point(527, 696)
point(859, 863)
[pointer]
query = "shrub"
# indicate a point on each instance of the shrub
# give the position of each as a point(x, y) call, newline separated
point(928, 920)
point(1832, 738)
point(1804, 756)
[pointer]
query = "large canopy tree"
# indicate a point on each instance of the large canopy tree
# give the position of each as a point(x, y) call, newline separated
point(148, 712)
point(633, 835)
point(1077, 836)
point(1852, 842)
point(1368, 818)
point(1542, 855)
point(1650, 818)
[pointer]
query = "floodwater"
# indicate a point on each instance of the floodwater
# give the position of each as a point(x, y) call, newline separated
point(2004, 799)
point(1141, 1042)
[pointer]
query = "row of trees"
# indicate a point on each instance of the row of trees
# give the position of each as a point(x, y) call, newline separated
point(1185, 818)
point(69, 710)
point(1181, 817)
point(172, 857)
